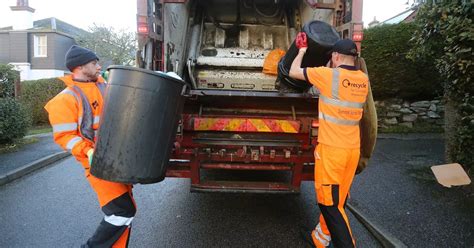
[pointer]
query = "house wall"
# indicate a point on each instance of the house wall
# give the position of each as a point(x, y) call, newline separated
point(24, 68)
point(42, 62)
point(57, 47)
point(19, 47)
point(4, 48)
point(39, 74)
point(62, 45)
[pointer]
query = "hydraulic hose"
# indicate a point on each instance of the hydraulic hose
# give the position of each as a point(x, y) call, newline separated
point(195, 34)
point(190, 73)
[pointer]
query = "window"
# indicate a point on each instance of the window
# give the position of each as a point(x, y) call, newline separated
point(41, 46)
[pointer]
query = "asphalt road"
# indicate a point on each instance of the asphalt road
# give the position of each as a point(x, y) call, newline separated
point(399, 191)
point(55, 207)
point(29, 153)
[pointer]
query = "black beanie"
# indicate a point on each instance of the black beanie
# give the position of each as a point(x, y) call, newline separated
point(77, 56)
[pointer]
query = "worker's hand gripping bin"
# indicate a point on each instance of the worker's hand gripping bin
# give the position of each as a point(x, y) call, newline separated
point(138, 125)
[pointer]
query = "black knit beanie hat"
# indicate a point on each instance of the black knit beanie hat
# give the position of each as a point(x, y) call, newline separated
point(77, 56)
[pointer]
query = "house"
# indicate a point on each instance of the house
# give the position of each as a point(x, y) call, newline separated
point(403, 17)
point(37, 49)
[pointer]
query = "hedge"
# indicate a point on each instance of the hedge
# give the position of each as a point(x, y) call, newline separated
point(36, 93)
point(7, 80)
point(445, 34)
point(14, 120)
point(392, 74)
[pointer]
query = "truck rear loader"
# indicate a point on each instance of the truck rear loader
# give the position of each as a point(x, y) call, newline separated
point(238, 131)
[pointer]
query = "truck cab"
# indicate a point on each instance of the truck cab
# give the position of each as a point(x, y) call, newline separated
point(239, 131)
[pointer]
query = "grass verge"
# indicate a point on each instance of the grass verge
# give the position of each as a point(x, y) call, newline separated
point(17, 144)
point(39, 130)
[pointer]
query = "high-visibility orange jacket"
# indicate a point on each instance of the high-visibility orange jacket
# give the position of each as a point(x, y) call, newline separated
point(343, 92)
point(75, 114)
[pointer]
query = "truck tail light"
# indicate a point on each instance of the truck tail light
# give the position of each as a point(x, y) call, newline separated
point(142, 29)
point(357, 36)
point(142, 25)
point(314, 128)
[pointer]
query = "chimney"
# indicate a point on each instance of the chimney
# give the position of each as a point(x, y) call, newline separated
point(373, 23)
point(23, 15)
point(53, 23)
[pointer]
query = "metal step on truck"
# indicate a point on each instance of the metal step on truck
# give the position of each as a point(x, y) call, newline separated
point(238, 131)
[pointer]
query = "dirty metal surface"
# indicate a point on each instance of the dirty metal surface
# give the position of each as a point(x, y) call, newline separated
point(235, 80)
point(248, 36)
point(235, 57)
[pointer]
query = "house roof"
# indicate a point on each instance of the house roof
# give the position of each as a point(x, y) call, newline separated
point(9, 28)
point(52, 24)
point(400, 17)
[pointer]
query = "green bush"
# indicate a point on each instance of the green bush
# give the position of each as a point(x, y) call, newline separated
point(36, 93)
point(7, 80)
point(14, 120)
point(392, 74)
point(445, 34)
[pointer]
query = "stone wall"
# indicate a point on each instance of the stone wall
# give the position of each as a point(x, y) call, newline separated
point(397, 112)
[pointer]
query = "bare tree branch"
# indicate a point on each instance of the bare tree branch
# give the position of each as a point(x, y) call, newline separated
point(116, 47)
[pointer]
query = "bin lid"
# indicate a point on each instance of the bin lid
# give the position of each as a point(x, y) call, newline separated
point(163, 75)
point(321, 32)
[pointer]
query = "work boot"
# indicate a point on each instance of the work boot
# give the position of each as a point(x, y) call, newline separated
point(320, 239)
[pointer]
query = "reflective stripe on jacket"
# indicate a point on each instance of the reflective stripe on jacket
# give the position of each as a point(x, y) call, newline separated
point(74, 115)
point(341, 101)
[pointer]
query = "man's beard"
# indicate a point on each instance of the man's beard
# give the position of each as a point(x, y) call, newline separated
point(92, 77)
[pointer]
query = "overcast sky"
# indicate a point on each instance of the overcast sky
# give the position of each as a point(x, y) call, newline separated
point(120, 14)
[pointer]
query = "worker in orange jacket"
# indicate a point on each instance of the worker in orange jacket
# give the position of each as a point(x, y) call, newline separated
point(74, 115)
point(343, 92)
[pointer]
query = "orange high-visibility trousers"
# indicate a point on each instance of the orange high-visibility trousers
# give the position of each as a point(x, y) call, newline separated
point(333, 174)
point(117, 203)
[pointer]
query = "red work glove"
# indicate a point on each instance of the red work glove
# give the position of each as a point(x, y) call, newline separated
point(301, 40)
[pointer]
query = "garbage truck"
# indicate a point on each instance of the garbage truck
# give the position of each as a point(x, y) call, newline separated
point(239, 131)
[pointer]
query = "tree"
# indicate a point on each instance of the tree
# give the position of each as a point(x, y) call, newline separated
point(112, 47)
point(445, 33)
